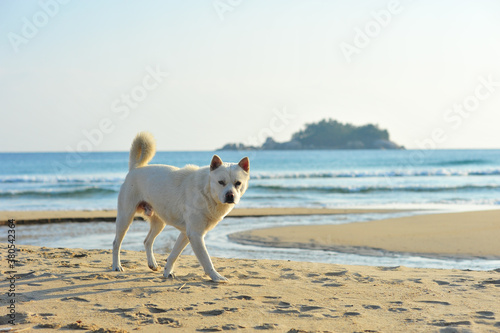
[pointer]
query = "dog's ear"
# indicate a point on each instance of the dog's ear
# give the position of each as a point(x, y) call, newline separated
point(245, 164)
point(216, 162)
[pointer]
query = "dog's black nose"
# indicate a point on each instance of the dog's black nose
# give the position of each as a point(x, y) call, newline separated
point(229, 198)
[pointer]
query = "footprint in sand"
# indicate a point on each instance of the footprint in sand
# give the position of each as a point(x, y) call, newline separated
point(81, 326)
point(54, 326)
point(272, 297)
point(371, 307)
point(435, 302)
point(46, 275)
point(351, 314)
point(243, 297)
point(219, 328)
point(26, 275)
point(212, 312)
point(362, 279)
point(266, 326)
point(441, 283)
point(75, 298)
point(244, 284)
point(94, 276)
point(171, 322)
point(306, 308)
point(327, 315)
point(322, 280)
point(397, 310)
point(21, 318)
point(496, 283)
point(274, 300)
point(46, 315)
point(285, 311)
point(337, 273)
point(485, 315)
point(120, 311)
point(129, 264)
point(444, 323)
point(155, 309)
point(291, 276)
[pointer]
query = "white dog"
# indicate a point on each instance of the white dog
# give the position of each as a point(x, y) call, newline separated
point(192, 199)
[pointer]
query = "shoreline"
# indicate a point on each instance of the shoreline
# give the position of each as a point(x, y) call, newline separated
point(443, 236)
point(464, 235)
point(357, 250)
point(48, 216)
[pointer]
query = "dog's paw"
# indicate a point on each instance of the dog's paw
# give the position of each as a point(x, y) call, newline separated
point(118, 268)
point(153, 266)
point(217, 278)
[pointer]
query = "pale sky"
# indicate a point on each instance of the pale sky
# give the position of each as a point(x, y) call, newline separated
point(89, 75)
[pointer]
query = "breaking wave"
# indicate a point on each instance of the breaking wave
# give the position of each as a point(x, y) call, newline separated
point(87, 191)
point(376, 173)
point(372, 189)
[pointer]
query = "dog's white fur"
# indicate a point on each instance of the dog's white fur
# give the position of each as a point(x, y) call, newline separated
point(192, 199)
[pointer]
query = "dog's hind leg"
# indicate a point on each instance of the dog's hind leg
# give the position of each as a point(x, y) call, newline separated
point(180, 245)
point(123, 220)
point(156, 226)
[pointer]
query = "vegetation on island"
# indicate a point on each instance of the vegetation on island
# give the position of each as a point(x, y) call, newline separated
point(328, 134)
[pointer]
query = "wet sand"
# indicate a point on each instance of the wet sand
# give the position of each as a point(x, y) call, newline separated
point(458, 235)
point(110, 215)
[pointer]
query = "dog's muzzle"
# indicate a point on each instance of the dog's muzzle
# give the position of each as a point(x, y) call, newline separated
point(229, 197)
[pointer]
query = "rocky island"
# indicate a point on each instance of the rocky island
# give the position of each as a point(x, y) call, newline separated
point(328, 134)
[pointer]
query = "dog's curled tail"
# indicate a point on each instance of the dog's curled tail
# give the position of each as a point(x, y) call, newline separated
point(142, 151)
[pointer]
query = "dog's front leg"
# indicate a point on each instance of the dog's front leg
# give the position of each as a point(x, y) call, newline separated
point(180, 245)
point(198, 245)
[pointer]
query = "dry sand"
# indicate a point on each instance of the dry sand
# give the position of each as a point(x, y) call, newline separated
point(462, 235)
point(63, 290)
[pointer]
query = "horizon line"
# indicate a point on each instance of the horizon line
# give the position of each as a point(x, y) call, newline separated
point(222, 150)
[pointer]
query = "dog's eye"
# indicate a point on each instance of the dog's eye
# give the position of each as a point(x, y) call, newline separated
point(223, 183)
point(237, 184)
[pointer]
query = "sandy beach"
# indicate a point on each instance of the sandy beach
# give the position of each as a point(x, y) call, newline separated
point(62, 290)
point(71, 289)
point(458, 235)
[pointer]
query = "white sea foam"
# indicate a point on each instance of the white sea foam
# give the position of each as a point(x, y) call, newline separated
point(439, 172)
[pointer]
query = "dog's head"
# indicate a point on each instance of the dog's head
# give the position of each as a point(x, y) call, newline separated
point(228, 181)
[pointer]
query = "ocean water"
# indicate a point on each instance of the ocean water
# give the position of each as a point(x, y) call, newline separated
point(440, 180)
point(449, 179)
